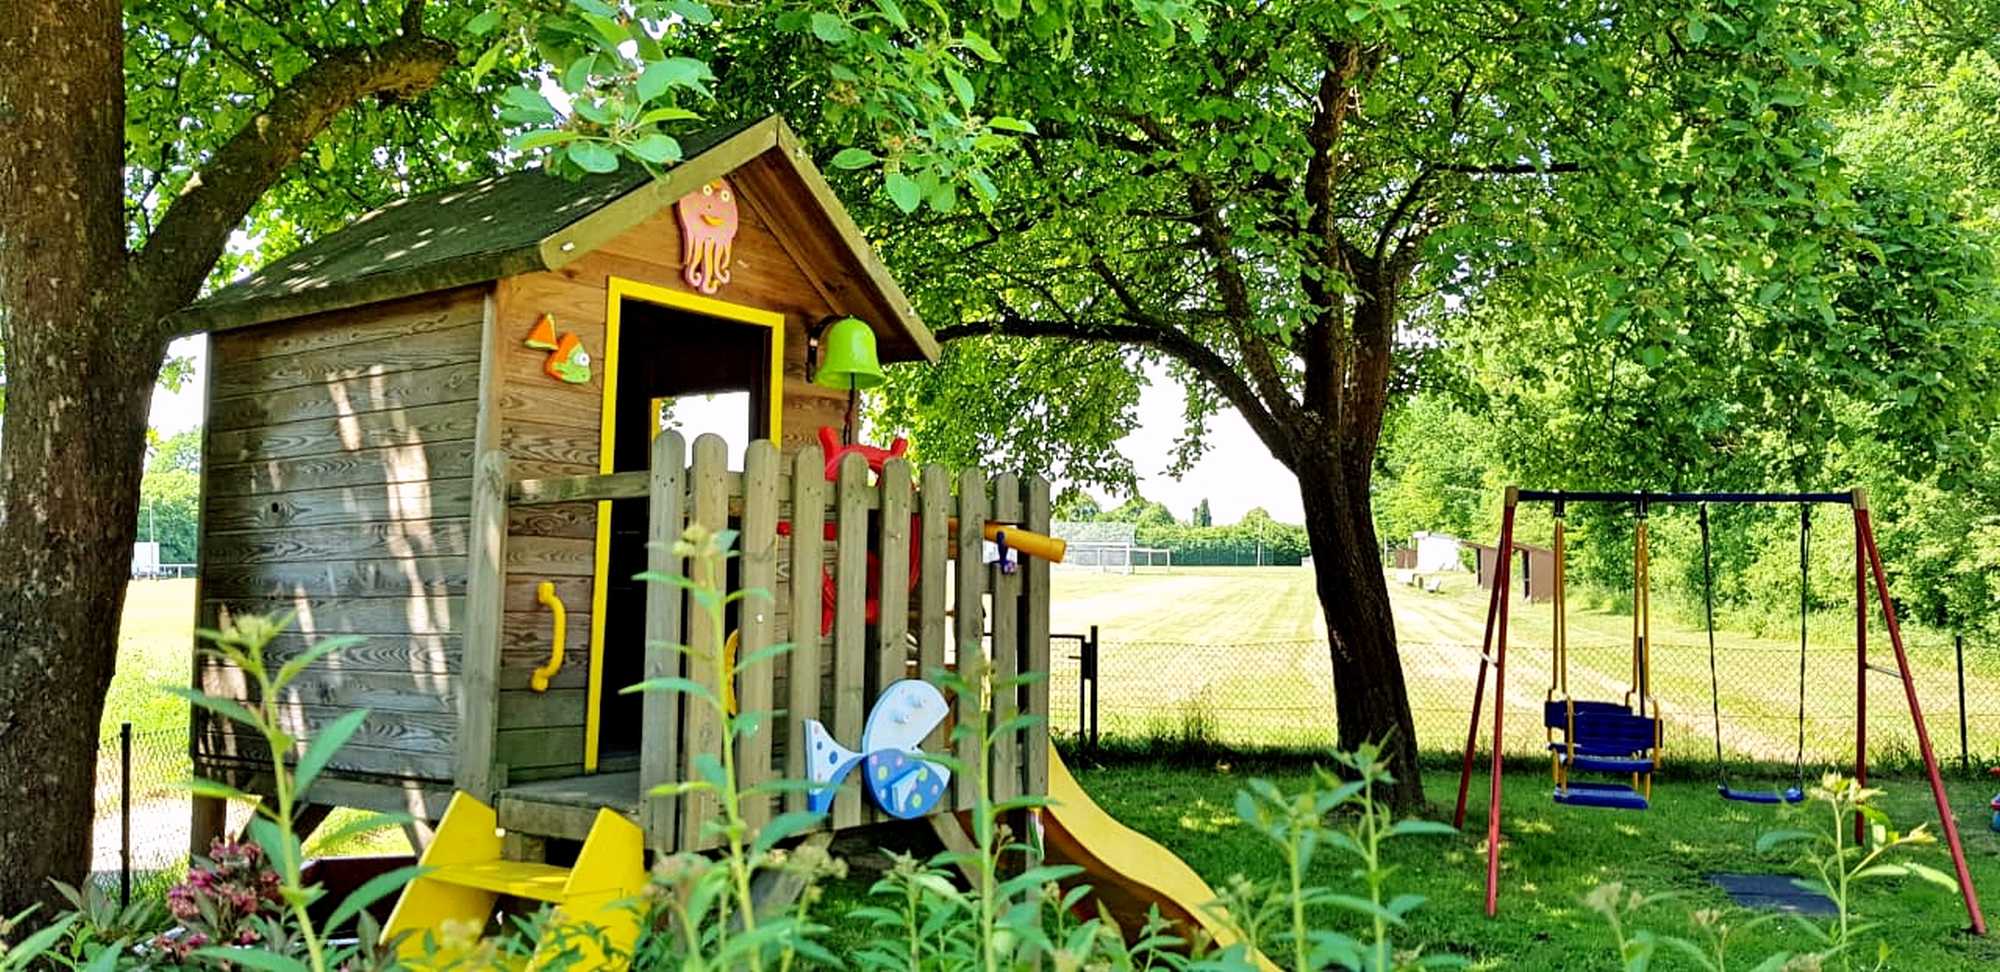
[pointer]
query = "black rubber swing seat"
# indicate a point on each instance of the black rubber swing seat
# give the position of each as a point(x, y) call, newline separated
point(1792, 794)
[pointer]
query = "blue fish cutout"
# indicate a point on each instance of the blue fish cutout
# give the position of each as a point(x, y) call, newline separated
point(897, 776)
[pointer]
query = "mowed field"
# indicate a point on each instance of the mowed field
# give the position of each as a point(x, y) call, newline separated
point(1239, 653)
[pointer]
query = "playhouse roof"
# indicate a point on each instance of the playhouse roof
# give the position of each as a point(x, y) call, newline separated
point(527, 221)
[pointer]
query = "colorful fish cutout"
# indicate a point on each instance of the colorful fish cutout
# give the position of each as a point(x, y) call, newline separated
point(897, 776)
point(543, 337)
point(569, 361)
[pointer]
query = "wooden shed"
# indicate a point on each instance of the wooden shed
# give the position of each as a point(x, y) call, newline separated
point(429, 425)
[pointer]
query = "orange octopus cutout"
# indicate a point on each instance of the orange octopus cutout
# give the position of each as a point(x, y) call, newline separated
point(708, 235)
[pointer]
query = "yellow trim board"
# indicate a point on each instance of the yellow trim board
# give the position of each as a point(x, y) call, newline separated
point(618, 290)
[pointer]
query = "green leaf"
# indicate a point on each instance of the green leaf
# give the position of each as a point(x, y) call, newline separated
point(783, 826)
point(960, 87)
point(657, 149)
point(893, 13)
point(669, 113)
point(854, 158)
point(1007, 124)
point(541, 138)
point(365, 823)
point(830, 28)
point(252, 958)
point(227, 708)
point(979, 46)
point(530, 102)
point(324, 745)
point(592, 156)
point(903, 191)
point(483, 24)
point(674, 72)
point(374, 890)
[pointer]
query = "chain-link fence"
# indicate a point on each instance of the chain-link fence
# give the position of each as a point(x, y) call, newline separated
point(140, 831)
point(1279, 694)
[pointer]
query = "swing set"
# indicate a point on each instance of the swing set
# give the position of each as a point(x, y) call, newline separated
point(1625, 737)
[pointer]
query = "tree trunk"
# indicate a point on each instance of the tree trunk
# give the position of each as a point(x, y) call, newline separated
point(1371, 699)
point(80, 372)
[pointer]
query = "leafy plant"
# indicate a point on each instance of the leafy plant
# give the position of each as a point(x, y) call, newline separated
point(1297, 825)
point(704, 911)
point(1836, 867)
point(293, 941)
point(103, 928)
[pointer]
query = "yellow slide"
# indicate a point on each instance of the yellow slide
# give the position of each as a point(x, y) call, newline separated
point(1126, 870)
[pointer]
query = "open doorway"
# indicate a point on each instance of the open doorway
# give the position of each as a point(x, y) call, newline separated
point(695, 373)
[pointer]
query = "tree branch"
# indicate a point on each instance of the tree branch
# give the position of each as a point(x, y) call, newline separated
point(1211, 366)
point(1508, 168)
point(179, 254)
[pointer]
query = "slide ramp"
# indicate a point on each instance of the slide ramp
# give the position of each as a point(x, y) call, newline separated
point(1127, 871)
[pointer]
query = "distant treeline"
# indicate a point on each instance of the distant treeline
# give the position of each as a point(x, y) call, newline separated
point(1254, 540)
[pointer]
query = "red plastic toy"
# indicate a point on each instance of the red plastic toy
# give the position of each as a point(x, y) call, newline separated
point(829, 443)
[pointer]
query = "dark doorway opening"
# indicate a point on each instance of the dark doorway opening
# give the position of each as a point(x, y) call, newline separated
point(696, 375)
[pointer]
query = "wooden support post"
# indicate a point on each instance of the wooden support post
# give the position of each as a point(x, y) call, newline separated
point(209, 819)
point(850, 625)
point(802, 666)
point(1006, 623)
point(933, 585)
point(1860, 661)
point(756, 619)
point(660, 712)
point(970, 629)
point(485, 599)
point(1035, 601)
point(701, 734)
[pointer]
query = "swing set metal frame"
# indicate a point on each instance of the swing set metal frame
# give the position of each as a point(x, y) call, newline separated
point(1867, 566)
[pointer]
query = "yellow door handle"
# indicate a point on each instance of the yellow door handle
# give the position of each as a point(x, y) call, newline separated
point(546, 593)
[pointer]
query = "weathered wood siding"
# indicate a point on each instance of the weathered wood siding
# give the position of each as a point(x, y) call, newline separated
point(338, 460)
point(551, 429)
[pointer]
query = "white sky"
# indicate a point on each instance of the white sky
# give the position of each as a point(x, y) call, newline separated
point(1236, 474)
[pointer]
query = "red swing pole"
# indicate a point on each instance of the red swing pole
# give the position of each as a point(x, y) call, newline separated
point(1501, 588)
point(1945, 816)
point(1478, 697)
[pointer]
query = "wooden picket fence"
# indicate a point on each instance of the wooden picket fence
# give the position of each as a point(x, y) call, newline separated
point(924, 624)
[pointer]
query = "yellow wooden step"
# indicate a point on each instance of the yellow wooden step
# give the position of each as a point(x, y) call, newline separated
point(538, 882)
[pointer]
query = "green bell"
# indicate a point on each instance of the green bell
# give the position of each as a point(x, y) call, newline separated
point(847, 356)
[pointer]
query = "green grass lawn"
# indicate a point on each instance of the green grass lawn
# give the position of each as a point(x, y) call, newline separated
point(1240, 653)
point(1553, 857)
point(155, 650)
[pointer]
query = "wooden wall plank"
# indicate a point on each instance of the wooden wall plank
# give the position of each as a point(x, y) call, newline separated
point(575, 520)
point(660, 742)
point(1035, 602)
point(1006, 623)
point(340, 506)
point(934, 582)
point(354, 615)
point(970, 627)
point(430, 654)
point(702, 735)
point(547, 557)
point(351, 362)
point(525, 640)
point(386, 692)
point(850, 624)
point(402, 428)
point(361, 541)
point(478, 712)
point(382, 391)
point(421, 577)
point(423, 314)
point(759, 567)
point(367, 467)
point(808, 491)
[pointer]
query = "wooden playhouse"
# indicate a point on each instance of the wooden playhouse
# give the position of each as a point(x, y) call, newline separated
point(440, 429)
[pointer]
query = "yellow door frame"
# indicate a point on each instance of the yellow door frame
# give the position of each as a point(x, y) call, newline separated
point(615, 295)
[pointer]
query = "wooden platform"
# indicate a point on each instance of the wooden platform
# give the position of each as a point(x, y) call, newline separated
point(565, 808)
